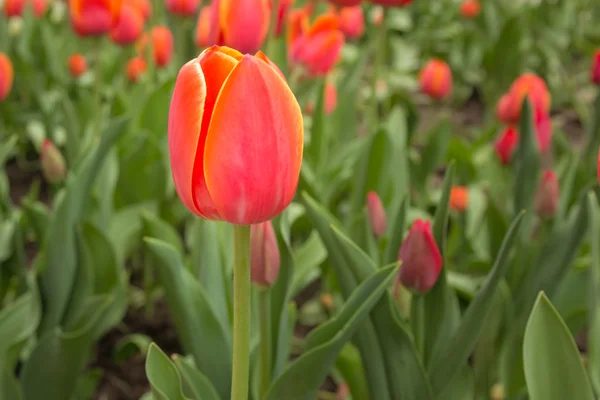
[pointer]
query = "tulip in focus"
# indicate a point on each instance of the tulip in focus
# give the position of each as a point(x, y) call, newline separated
point(244, 24)
point(77, 65)
point(436, 79)
point(235, 137)
point(547, 195)
point(421, 258)
point(595, 75)
point(459, 198)
point(53, 164)
point(6, 76)
point(184, 8)
point(352, 21)
point(318, 49)
point(93, 17)
point(129, 25)
point(392, 3)
point(264, 255)
point(470, 9)
point(506, 144)
point(135, 68)
point(376, 213)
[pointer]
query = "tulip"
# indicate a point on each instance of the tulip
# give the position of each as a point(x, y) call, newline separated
point(244, 24)
point(77, 65)
point(135, 68)
point(547, 195)
point(470, 9)
point(14, 8)
point(144, 8)
point(129, 25)
point(203, 37)
point(330, 98)
point(264, 255)
point(345, 3)
point(436, 79)
point(506, 144)
point(352, 21)
point(184, 8)
point(421, 258)
point(298, 25)
point(93, 17)
point(6, 76)
point(543, 129)
point(327, 301)
point(234, 157)
point(53, 164)
point(596, 68)
point(459, 198)
point(527, 85)
point(319, 48)
point(282, 16)
point(391, 3)
point(15, 26)
point(503, 109)
point(376, 213)
point(162, 45)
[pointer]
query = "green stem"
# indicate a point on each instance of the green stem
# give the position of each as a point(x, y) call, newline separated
point(241, 313)
point(98, 87)
point(380, 43)
point(264, 298)
point(272, 28)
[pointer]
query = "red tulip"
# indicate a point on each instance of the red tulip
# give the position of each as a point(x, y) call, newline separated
point(77, 65)
point(6, 76)
point(377, 216)
point(527, 85)
point(503, 109)
point(436, 79)
point(244, 23)
point(470, 9)
point(53, 163)
point(596, 68)
point(352, 21)
point(264, 255)
point(185, 8)
point(129, 25)
point(93, 17)
point(459, 198)
point(135, 68)
point(547, 195)
point(345, 3)
point(235, 137)
point(282, 16)
point(421, 258)
point(319, 48)
point(14, 8)
point(392, 3)
point(543, 129)
point(506, 144)
point(298, 25)
point(330, 98)
point(162, 45)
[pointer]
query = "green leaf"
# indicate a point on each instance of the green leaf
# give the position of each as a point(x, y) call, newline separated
point(302, 379)
point(447, 362)
point(319, 140)
point(198, 326)
point(152, 116)
point(195, 384)
point(594, 292)
point(527, 161)
point(350, 367)
point(553, 367)
point(164, 379)
point(396, 231)
point(155, 227)
point(130, 345)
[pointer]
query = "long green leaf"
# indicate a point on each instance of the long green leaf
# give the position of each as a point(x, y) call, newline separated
point(527, 161)
point(195, 383)
point(162, 374)
point(594, 314)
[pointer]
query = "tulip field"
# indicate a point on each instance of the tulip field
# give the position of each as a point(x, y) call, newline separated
point(299, 199)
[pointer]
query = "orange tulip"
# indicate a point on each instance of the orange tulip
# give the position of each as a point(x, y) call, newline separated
point(161, 39)
point(129, 25)
point(235, 137)
point(470, 9)
point(330, 98)
point(319, 48)
point(207, 27)
point(93, 17)
point(459, 198)
point(77, 65)
point(6, 76)
point(298, 25)
point(144, 7)
point(352, 21)
point(186, 8)
point(436, 79)
point(244, 24)
point(135, 68)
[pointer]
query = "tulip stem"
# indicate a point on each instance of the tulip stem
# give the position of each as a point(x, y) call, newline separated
point(264, 298)
point(272, 28)
point(241, 313)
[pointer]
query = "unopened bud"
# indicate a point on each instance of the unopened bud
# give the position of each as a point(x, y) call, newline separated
point(264, 254)
point(459, 198)
point(15, 26)
point(547, 195)
point(377, 216)
point(53, 163)
point(343, 391)
point(421, 258)
point(327, 301)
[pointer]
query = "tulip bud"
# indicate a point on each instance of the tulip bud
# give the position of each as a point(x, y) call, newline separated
point(15, 26)
point(343, 391)
point(470, 9)
point(421, 258)
point(436, 79)
point(135, 68)
point(547, 195)
point(39, 7)
point(264, 255)
point(93, 17)
point(53, 164)
point(543, 129)
point(506, 144)
point(57, 12)
point(330, 98)
point(162, 45)
point(327, 301)
point(596, 68)
point(13, 8)
point(244, 23)
point(129, 25)
point(376, 213)
point(6, 76)
point(77, 65)
point(459, 198)
point(352, 21)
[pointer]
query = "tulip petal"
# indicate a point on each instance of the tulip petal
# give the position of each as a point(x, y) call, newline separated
point(254, 145)
point(244, 23)
point(266, 59)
